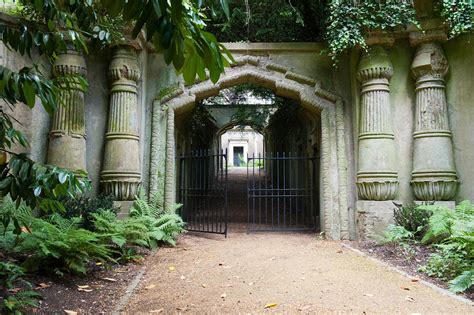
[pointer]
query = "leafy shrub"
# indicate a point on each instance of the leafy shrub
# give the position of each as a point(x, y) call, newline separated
point(452, 232)
point(11, 279)
point(412, 218)
point(447, 263)
point(83, 207)
point(19, 215)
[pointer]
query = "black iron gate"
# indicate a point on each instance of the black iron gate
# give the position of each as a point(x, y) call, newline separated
point(203, 191)
point(283, 193)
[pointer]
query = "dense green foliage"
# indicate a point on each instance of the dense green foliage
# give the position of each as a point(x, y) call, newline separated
point(61, 244)
point(451, 234)
point(458, 15)
point(350, 21)
point(270, 21)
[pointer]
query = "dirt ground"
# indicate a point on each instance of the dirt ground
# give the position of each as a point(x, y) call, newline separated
point(96, 293)
point(246, 272)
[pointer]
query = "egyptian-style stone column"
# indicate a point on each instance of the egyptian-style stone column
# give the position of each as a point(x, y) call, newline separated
point(67, 144)
point(434, 173)
point(377, 177)
point(121, 168)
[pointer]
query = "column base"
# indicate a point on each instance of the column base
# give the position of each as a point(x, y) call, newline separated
point(373, 217)
point(435, 189)
point(124, 208)
point(120, 189)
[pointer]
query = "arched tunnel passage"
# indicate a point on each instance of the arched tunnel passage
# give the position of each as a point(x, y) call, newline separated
point(250, 158)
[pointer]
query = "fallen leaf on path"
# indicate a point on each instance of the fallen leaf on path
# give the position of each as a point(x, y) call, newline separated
point(409, 299)
point(42, 286)
point(181, 308)
point(157, 311)
point(14, 290)
point(270, 305)
point(304, 308)
point(368, 294)
point(182, 277)
point(414, 280)
point(151, 286)
point(223, 295)
point(171, 268)
point(405, 288)
point(70, 312)
point(339, 252)
point(109, 279)
point(84, 290)
point(204, 285)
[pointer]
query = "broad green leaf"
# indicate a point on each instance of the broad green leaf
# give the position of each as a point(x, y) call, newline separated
point(29, 93)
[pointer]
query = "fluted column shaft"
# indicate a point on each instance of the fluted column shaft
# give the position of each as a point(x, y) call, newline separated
point(67, 144)
point(121, 169)
point(377, 177)
point(434, 172)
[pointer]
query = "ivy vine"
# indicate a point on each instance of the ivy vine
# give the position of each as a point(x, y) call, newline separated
point(457, 15)
point(350, 21)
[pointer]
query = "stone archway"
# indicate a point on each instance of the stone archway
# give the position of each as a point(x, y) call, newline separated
point(282, 81)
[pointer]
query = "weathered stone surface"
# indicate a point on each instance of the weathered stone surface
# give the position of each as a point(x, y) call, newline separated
point(124, 208)
point(377, 176)
point(121, 169)
point(67, 144)
point(335, 213)
point(373, 217)
point(434, 173)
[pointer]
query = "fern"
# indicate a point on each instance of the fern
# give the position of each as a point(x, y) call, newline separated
point(462, 282)
point(153, 208)
point(396, 234)
point(452, 232)
point(57, 243)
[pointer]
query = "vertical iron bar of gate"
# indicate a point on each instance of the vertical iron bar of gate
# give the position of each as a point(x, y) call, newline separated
point(313, 212)
point(291, 185)
point(225, 191)
point(248, 195)
point(284, 190)
point(259, 189)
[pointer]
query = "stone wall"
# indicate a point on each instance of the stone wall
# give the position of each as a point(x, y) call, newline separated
point(459, 94)
point(158, 83)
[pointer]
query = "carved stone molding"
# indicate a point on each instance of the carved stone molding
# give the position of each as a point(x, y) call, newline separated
point(262, 71)
point(120, 174)
point(67, 144)
point(377, 178)
point(434, 172)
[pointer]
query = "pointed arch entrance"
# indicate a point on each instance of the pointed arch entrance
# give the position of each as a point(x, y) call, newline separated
point(283, 82)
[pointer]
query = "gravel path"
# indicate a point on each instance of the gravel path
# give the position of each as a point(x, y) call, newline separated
point(297, 272)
